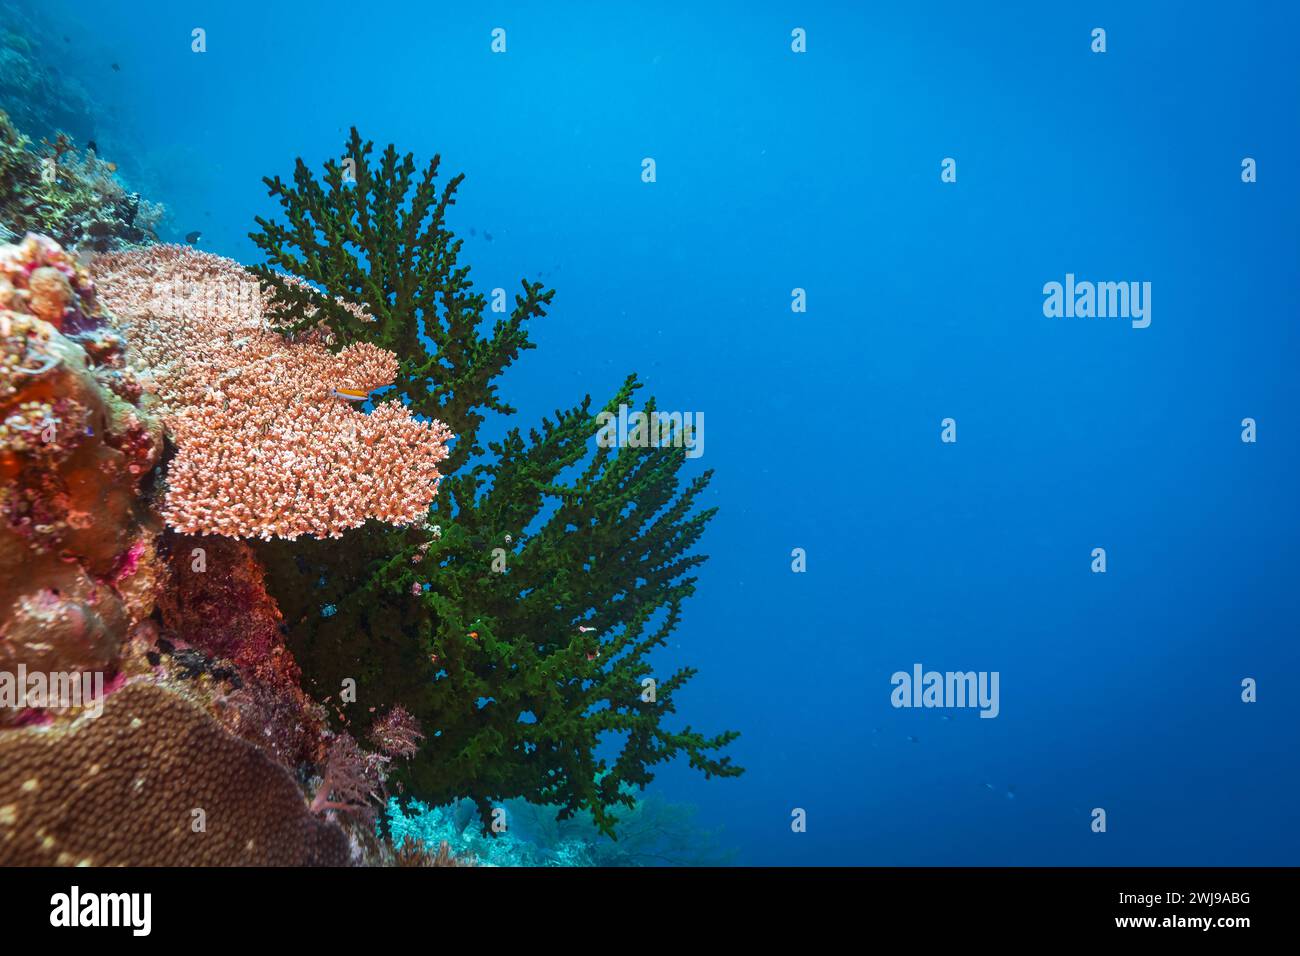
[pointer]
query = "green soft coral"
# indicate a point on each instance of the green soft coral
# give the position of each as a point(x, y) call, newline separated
point(554, 566)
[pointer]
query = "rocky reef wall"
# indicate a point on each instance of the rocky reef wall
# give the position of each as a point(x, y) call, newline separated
point(194, 743)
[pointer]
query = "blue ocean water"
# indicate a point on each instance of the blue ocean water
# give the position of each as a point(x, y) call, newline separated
point(821, 171)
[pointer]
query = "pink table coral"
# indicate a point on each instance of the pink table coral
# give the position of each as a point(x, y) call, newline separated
point(265, 448)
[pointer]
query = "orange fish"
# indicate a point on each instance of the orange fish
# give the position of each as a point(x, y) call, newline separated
point(351, 394)
point(474, 634)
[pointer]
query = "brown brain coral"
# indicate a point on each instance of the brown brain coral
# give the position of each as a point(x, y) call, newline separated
point(146, 765)
point(264, 446)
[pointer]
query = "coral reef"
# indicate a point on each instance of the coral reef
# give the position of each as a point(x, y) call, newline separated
point(77, 440)
point(486, 634)
point(517, 620)
point(76, 198)
point(154, 781)
point(181, 631)
point(265, 446)
point(36, 93)
point(652, 832)
point(216, 602)
point(385, 246)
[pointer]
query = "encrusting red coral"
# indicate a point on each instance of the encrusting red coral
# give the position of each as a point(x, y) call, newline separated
point(77, 438)
point(39, 278)
point(266, 447)
point(216, 601)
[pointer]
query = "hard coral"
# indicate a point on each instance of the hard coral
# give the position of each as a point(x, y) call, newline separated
point(391, 251)
point(154, 781)
point(532, 675)
point(265, 447)
point(76, 440)
point(39, 277)
point(77, 199)
point(50, 294)
point(284, 725)
point(42, 98)
point(216, 601)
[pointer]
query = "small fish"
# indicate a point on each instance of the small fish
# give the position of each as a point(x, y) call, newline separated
point(91, 145)
point(473, 231)
point(193, 237)
point(585, 630)
point(112, 167)
point(487, 235)
point(592, 655)
point(351, 394)
point(116, 68)
point(912, 740)
point(474, 634)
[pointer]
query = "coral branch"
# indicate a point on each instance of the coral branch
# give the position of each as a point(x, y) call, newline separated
point(266, 444)
point(518, 620)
